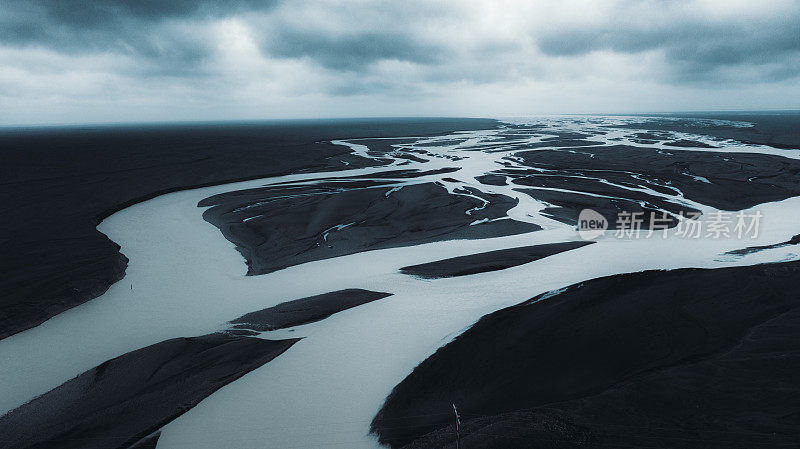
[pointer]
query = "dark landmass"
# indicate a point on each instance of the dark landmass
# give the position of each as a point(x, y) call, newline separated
point(489, 261)
point(122, 402)
point(512, 430)
point(440, 143)
point(325, 220)
point(776, 129)
point(754, 249)
point(492, 180)
point(378, 147)
point(736, 180)
point(562, 143)
point(655, 137)
point(388, 174)
point(566, 135)
point(640, 141)
point(689, 144)
point(566, 206)
point(59, 183)
point(411, 157)
point(306, 310)
point(684, 358)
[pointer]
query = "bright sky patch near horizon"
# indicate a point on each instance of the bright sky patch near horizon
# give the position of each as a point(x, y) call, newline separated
point(82, 61)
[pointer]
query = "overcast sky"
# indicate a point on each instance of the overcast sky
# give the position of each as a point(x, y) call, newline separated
point(74, 61)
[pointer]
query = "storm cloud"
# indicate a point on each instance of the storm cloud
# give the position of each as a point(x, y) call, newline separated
point(206, 59)
point(696, 46)
point(158, 32)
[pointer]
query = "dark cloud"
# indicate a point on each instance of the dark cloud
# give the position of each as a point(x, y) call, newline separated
point(165, 37)
point(511, 57)
point(144, 29)
point(92, 14)
point(87, 13)
point(697, 49)
point(351, 51)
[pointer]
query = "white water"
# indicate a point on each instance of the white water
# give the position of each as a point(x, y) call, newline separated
point(188, 280)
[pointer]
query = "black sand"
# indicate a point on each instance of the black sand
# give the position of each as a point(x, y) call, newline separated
point(754, 249)
point(324, 221)
point(565, 206)
point(684, 358)
point(126, 399)
point(57, 183)
point(689, 144)
point(776, 129)
point(306, 310)
point(524, 429)
point(492, 180)
point(736, 181)
point(489, 261)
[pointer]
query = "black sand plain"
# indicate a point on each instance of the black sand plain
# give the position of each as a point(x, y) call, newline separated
point(306, 310)
point(597, 178)
point(489, 261)
point(122, 402)
point(58, 183)
point(690, 358)
point(683, 358)
point(735, 181)
point(274, 228)
point(777, 129)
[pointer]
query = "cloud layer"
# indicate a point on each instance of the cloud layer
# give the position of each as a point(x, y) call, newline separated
point(121, 60)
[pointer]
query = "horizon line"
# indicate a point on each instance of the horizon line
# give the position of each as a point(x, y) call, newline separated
point(255, 121)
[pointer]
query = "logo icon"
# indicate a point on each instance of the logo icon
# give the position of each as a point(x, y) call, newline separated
point(591, 224)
